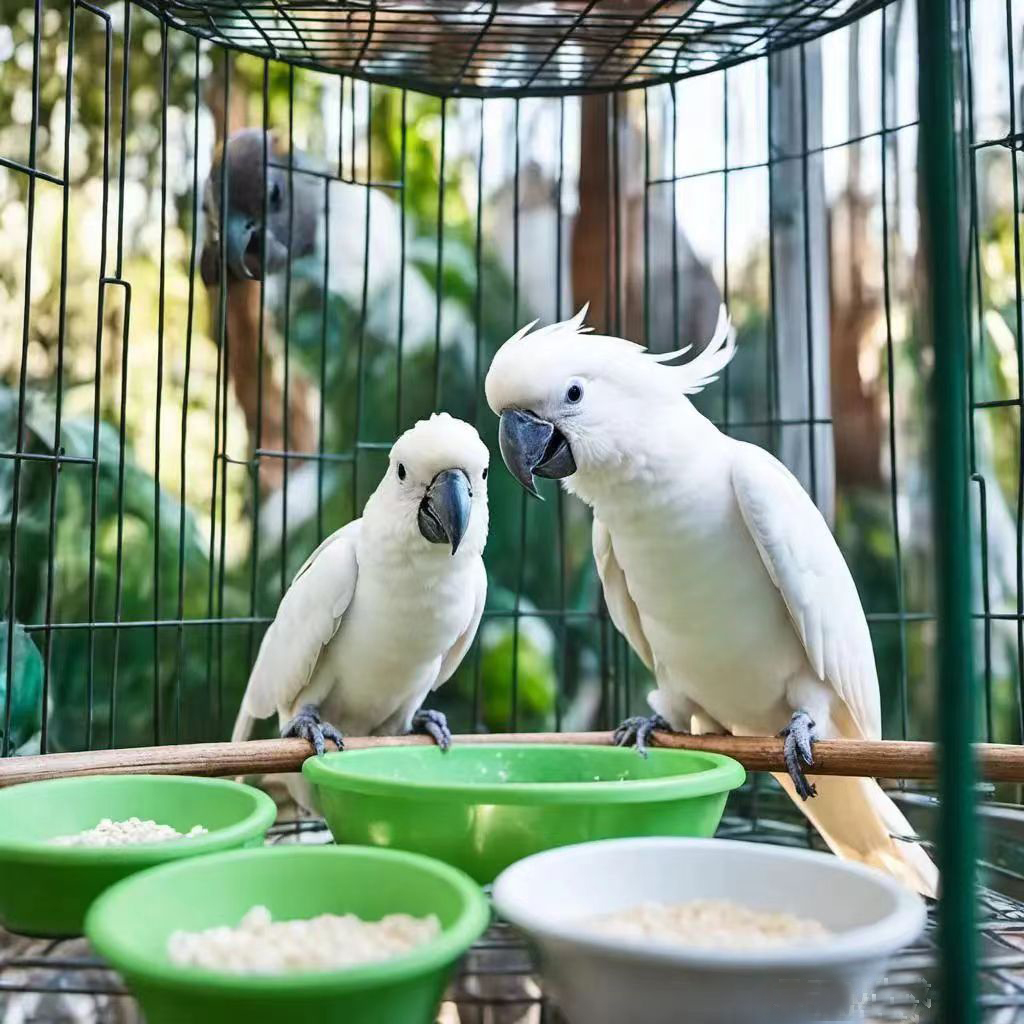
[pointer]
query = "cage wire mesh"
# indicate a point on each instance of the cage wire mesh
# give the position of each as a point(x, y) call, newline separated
point(170, 452)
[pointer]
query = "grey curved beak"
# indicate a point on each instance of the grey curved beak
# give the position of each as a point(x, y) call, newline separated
point(239, 233)
point(444, 512)
point(533, 447)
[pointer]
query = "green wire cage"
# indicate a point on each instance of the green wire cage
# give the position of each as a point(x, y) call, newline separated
point(842, 174)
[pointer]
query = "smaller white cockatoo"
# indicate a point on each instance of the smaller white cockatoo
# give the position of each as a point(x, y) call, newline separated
point(715, 563)
point(385, 609)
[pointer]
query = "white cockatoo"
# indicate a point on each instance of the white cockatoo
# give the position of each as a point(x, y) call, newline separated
point(385, 609)
point(716, 565)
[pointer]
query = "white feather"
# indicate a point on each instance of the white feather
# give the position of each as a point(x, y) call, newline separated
point(705, 367)
point(377, 616)
point(807, 567)
point(716, 565)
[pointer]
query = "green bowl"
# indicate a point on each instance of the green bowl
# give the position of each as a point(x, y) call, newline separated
point(46, 889)
point(481, 808)
point(131, 923)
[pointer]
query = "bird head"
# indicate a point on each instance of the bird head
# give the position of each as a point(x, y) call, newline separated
point(437, 480)
point(571, 401)
point(270, 216)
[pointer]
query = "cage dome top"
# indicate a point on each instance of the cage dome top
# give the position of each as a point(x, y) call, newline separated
point(473, 48)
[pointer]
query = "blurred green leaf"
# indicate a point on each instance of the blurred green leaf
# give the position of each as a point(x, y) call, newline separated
point(27, 689)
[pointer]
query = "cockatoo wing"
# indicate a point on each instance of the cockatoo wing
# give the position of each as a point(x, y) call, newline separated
point(805, 563)
point(617, 597)
point(307, 619)
point(457, 651)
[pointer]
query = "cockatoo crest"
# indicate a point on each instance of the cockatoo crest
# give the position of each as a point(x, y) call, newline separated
point(440, 442)
point(690, 377)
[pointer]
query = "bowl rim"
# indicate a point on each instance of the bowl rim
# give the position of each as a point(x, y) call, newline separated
point(261, 815)
point(902, 925)
point(448, 947)
point(720, 775)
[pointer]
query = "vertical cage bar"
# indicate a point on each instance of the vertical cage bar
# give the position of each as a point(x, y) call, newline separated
point(883, 142)
point(523, 507)
point(22, 378)
point(59, 402)
point(563, 593)
point(805, 168)
point(946, 313)
point(364, 298)
point(478, 259)
point(122, 436)
point(726, 391)
point(286, 394)
point(439, 254)
point(94, 494)
point(186, 377)
point(403, 198)
point(158, 409)
point(976, 312)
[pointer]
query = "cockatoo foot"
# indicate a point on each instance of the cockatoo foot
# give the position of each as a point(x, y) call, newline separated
point(637, 731)
point(309, 726)
point(435, 725)
point(799, 751)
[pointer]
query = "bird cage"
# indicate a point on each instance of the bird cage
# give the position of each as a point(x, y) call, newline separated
point(172, 449)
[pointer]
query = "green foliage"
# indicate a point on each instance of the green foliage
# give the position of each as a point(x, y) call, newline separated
point(133, 577)
point(27, 691)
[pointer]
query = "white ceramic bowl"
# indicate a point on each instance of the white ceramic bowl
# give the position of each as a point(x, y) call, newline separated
point(600, 981)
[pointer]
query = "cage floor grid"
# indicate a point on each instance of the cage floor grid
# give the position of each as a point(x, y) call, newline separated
point(63, 982)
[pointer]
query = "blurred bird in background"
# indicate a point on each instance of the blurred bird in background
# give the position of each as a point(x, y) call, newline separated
point(239, 247)
point(281, 206)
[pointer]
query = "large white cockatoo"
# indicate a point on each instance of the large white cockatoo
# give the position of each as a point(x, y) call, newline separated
point(716, 565)
point(385, 609)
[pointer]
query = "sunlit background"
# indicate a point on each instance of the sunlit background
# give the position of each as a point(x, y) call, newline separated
point(196, 476)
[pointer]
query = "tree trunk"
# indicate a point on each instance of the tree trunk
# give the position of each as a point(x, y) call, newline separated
point(801, 272)
point(856, 412)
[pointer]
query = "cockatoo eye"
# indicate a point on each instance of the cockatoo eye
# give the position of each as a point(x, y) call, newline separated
point(574, 393)
point(485, 472)
point(401, 471)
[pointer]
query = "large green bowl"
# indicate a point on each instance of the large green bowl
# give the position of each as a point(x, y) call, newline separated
point(131, 923)
point(481, 808)
point(46, 889)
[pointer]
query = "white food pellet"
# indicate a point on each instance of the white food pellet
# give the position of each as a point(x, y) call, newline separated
point(261, 946)
point(126, 833)
point(711, 924)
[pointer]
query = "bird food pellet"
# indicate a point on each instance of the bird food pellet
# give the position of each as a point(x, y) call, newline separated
point(259, 945)
point(126, 833)
point(709, 924)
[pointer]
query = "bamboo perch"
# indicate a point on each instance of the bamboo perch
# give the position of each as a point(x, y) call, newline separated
point(885, 759)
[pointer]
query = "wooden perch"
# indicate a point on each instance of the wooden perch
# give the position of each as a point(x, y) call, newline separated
point(885, 759)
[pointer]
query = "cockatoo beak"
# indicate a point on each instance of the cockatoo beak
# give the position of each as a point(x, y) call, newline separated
point(533, 447)
point(446, 507)
point(242, 244)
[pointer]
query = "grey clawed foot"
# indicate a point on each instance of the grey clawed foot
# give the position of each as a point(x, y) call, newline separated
point(798, 750)
point(309, 726)
point(435, 725)
point(637, 732)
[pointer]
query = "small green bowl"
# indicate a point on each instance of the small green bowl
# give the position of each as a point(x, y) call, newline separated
point(481, 808)
point(130, 924)
point(46, 889)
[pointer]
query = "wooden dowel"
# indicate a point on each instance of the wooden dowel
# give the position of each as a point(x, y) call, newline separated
point(885, 759)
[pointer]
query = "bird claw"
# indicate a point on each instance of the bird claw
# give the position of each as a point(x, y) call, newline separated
point(798, 751)
point(309, 726)
point(636, 731)
point(435, 725)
